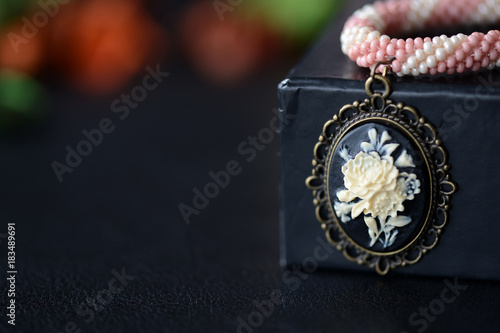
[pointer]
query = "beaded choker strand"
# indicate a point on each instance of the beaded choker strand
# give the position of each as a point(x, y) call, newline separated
point(364, 37)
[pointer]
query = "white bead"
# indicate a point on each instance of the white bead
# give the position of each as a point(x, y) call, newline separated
point(415, 72)
point(428, 47)
point(431, 61)
point(372, 35)
point(482, 9)
point(412, 62)
point(475, 17)
point(429, 5)
point(413, 17)
point(491, 66)
point(419, 54)
point(404, 69)
point(440, 54)
point(437, 41)
point(424, 13)
point(448, 46)
point(454, 40)
point(498, 63)
point(423, 68)
point(461, 36)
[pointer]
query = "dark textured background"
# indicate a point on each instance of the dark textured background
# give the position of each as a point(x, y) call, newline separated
point(119, 208)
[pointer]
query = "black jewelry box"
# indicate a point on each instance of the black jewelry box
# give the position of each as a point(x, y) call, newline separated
point(465, 109)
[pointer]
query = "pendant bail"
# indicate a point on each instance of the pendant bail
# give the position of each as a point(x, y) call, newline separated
point(379, 78)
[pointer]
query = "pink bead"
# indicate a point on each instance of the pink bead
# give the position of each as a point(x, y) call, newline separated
point(353, 53)
point(419, 43)
point(485, 62)
point(476, 66)
point(380, 55)
point(391, 50)
point(461, 67)
point(384, 42)
point(441, 67)
point(374, 45)
point(396, 66)
point(459, 55)
point(451, 62)
point(473, 41)
point(497, 46)
point(392, 7)
point(370, 58)
point(433, 71)
point(450, 71)
point(427, 39)
point(469, 62)
point(485, 46)
point(364, 48)
point(493, 55)
point(364, 63)
point(401, 43)
point(478, 55)
point(466, 47)
point(409, 48)
point(400, 55)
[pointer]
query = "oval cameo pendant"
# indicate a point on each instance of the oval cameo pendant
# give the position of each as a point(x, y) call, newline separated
point(380, 181)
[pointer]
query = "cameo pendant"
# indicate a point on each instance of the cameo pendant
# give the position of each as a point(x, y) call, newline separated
point(381, 181)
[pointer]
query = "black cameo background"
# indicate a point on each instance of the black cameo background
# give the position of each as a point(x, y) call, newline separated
point(417, 209)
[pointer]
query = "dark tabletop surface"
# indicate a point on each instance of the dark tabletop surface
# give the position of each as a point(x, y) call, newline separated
point(107, 250)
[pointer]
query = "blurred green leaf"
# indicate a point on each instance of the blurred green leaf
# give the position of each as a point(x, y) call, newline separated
point(10, 9)
point(297, 19)
point(22, 100)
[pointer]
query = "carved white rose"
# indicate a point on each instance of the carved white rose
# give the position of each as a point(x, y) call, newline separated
point(376, 188)
point(374, 181)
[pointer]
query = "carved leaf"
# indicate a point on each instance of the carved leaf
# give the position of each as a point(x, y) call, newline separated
point(346, 196)
point(385, 137)
point(404, 160)
point(399, 221)
point(393, 238)
point(389, 148)
point(388, 228)
point(344, 153)
point(343, 210)
point(372, 134)
point(367, 147)
point(373, 237)
point(371, 223)
point(358, 209)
